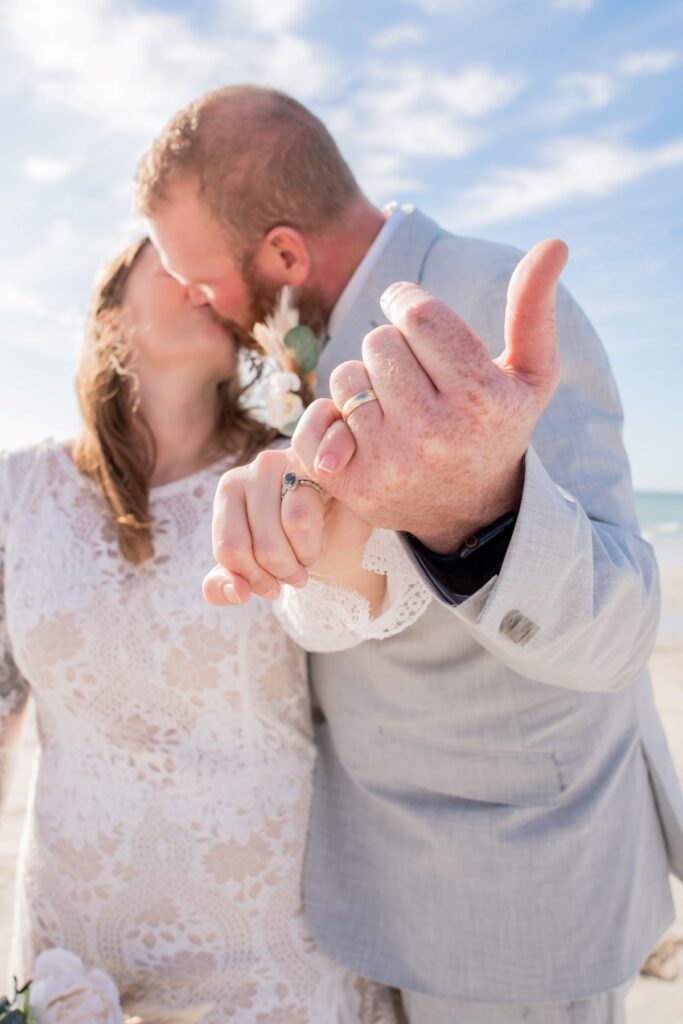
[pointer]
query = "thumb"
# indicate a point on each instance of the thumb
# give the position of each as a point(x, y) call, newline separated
point(531, 337)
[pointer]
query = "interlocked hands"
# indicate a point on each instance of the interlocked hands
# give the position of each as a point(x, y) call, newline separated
point(439, 454)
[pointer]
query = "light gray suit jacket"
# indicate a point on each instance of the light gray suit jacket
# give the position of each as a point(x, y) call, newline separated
point(495, 809)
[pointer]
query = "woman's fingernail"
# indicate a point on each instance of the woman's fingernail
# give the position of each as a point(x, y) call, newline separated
point(230, 594)
point(270, 595)
point(327, 464)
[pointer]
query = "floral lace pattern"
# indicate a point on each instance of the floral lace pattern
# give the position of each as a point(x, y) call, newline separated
point(166, 832)
point(325, 617)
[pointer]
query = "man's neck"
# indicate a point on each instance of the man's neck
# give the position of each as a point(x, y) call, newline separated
point(338, 254)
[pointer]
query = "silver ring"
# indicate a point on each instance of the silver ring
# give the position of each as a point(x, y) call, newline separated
point(291, 481)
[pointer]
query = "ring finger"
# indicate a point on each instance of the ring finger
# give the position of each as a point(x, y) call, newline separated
point(302, 516)
point(351, 379)
point(270, 544)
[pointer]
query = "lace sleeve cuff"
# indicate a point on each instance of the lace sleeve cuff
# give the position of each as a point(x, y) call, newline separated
point(327, 617)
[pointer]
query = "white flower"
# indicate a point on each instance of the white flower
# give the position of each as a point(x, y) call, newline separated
point(277, 403)
point(64, 992)
point(280, 383)
point(284, 409)
point(55, 962)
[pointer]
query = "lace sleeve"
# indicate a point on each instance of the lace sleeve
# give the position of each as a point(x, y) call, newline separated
point(13, 687)
point(327, 617)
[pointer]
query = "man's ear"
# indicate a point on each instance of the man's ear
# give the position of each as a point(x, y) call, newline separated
point(283, 256)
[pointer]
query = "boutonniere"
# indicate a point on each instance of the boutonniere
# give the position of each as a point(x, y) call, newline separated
point(293, 351)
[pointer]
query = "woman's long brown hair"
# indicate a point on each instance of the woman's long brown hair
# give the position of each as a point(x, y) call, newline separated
point(116, 447)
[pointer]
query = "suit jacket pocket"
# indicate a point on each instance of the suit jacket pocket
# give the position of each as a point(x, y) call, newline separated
point(523, 778)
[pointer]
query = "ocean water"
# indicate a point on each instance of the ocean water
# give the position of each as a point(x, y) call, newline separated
point(661, 520)
point(660, 514)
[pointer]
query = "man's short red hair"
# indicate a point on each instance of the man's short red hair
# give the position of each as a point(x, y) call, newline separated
point(260, 159)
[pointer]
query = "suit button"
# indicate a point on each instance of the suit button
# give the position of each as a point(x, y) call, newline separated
point(518, 628)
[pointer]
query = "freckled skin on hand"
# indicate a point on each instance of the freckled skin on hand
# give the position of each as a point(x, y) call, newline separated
point(441, 453)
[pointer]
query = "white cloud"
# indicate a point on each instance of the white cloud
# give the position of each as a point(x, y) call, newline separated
point(131, 68)
point(125, 67)
point(593, 90)
point(573, 5)
point(18, 300)
point(648, 62)
point(46, 169)
point(384, 176)
point(582, 90)
point(398, 35)
point(411, 110)
point(437, 6)
point(573, 169)
point(290, 62)
point(267, 15)
point(61, 232)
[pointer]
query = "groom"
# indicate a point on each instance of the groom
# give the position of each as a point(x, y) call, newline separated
point(495, 809)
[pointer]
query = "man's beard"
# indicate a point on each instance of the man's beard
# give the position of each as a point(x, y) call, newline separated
point(263, 297)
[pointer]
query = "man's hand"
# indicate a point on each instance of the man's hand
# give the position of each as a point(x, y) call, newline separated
point(440, 453)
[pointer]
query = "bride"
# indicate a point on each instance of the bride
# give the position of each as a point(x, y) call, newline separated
point(166, 829)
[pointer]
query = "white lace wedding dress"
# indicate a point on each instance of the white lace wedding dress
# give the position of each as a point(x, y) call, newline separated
point(166, 831)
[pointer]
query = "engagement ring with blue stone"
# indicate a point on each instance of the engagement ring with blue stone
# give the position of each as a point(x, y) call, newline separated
point(290, 482)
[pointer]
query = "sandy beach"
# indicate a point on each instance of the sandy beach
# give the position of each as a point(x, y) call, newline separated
point(651, 1001)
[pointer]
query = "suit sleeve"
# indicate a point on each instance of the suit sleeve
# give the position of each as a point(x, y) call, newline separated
point(576, 603)
point(14, 689)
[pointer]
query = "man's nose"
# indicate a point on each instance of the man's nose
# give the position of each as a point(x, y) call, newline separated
point(197, 295)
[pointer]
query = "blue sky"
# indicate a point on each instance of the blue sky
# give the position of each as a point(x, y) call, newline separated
point(508, 120)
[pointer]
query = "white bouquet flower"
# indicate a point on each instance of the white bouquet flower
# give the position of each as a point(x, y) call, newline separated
point(64, 991)
point(279, 403)
point(291, 350)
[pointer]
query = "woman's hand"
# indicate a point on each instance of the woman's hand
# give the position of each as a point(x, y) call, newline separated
point(261, 540)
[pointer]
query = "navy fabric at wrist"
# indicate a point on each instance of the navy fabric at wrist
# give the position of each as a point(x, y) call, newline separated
point(460, 574)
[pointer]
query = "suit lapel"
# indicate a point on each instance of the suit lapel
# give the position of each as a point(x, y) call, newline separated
point(402, 260)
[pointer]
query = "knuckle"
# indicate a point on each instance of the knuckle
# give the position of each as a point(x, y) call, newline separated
point(226, 482)
point(422, 313)
point(298, 514)
point(319, 406)
point(345, 376)
point(270, 557)
point(225, 551)
point(380, 344)
point(270, 461)
point(338, 375)
point(265, 587)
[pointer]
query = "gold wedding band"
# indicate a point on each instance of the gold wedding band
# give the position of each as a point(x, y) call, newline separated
point(291, 481)
point(360, 399)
